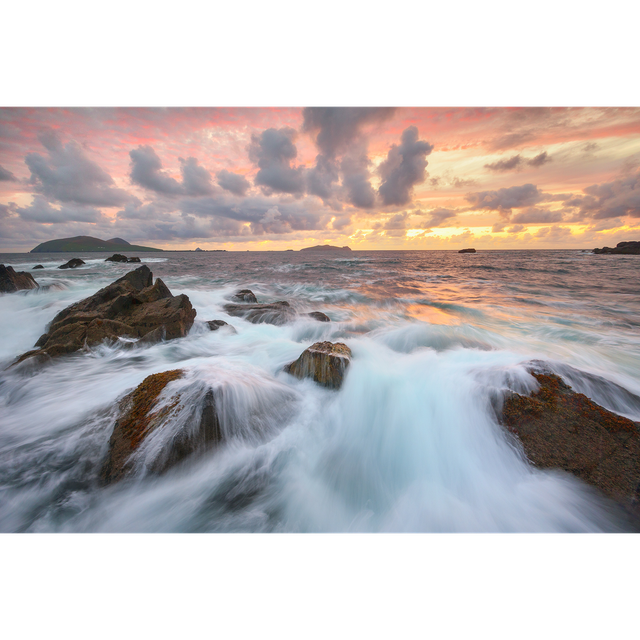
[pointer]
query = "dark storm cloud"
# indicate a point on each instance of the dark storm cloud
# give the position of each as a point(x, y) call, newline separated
point(41, 211)
point(146, 171)
point(507, 198)
point(272, 152)
point(6, 175)
point(404, 167)
point(68, 175)
point(233, 182)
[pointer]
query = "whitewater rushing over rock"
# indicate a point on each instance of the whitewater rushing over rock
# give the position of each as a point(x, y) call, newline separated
point(411, 440)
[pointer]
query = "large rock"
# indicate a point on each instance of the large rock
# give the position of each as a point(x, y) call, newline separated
point(11, 280)
point(72, 264)
point(244, 295)
point(214, 325)
point(132, 306)
point(324, 362)
point(141, 414)
point(470, 250)
point(38, 266)
point(117, 257)
point(319, 316)
point(631, 247)
point(277, 313)
point(561, 429)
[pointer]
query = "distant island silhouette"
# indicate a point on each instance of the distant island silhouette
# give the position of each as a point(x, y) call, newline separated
point(326, 247)
point(87, 243)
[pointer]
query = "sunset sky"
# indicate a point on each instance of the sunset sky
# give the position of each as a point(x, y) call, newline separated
point(280, 178)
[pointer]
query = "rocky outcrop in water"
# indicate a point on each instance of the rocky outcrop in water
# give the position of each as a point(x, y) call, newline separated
point(132, 306)
point(38, 266)
point(319, 316)
point(12, 281)
point(72, 264)
point(244, 295)
point(277, 313)
point(324, 362)
point(562, 429)
point(140, 416)
point(118, 257)
point(470, 250)
point(622, 248)
point(214, 325)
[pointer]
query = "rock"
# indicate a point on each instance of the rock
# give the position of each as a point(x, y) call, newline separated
point(561, 429)
point(38, 266)
point(244, 295)
point(11, 280)
point(467, 250)
point(117, 257)
point(325, 362)
point(214, 325)
point(631, 247)
point(134, 259)
point(319, 316)
point(131, 306)
point(140, 416)
point(277, 313)
point(72, 264)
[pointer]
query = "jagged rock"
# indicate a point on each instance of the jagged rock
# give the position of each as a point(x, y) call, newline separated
point(131, 306)
point(467, 251)
point(11, 280)
point(325, 362)
point(561, 429)
point(277, 313)
point(117, 257)
point(319, 316)
point(214, 325)
point(140, 415)
point(134, 259)
point(631, 247)
point(72, 264)
point(38, 266)
point(244, 295)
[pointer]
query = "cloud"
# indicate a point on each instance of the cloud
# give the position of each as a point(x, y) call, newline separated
point(438, 216)
point(236, 184)
point(539, 160)
point(273, 152)
point(404, 167)
point(613, 199)
point(515, 162)
point(146, 171)
point(517, 228)
point(505, 199)
point(196, 180)
point(68, 175)
point(533, 215)
point(6, 175)
point(355, 170)
point(399, 221)
point(41, 211)
point(510, 140)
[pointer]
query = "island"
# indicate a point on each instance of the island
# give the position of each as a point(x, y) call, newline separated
point(471, 250)
point(326, 247)
point(630, 248)
point(87, 243)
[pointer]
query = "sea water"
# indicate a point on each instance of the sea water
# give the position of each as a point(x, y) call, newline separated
point(410, 442)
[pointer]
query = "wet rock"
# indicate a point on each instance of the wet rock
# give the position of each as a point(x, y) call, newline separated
point(117, 257)
point(131, 306)
point(38, 266)
point(134, 259)
point(471, 250)
point(277, 313)
point(561, 429)
point(244, 295)
point(11, 280)
point(631, 247)
point(324, 362)
point(214, 325)
point(319, 316)
point(141, 414)
point(72, 264)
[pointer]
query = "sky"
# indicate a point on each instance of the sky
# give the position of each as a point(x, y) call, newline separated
point(286, 178)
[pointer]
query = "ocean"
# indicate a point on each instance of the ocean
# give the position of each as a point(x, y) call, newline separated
point(410, 443)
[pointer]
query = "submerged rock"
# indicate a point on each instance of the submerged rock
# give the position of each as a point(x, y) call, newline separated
point(471, 250)
point(277, 313)
point(244, 295)
point(140, 416)
point(562, 429)
point(11, 280)
point(319, 316)
point(131, 306)
point(72, 264)
point(214, 325)
point(134, 259)
point(324, 362)
point(38, 266)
